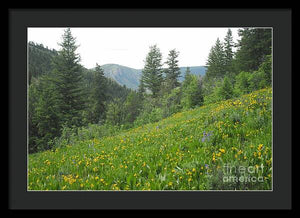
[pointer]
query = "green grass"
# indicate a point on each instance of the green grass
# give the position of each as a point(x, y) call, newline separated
point(171, 154)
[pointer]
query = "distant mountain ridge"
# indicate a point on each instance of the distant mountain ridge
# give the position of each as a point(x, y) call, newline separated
point(40, 59)
point(130, 77)
point(123, 75)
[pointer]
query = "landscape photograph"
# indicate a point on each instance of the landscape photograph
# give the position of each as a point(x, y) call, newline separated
point(149, 109)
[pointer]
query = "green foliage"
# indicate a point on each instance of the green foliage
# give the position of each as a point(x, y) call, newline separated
point(114, 114)
point(152, 74)
point(171, 103)
point(69, 136)
point(266, 69)
point(257, 80)
point(242, 84)
point(254, 45)
point(226, 90)
point(187, 151)
point(154, 115)
point(216, 67)
point(44, 120)
point(39, 60)
point(213, 95)
point(173, 71)
point(228, 53)
point(151, 110)
point(64, 96)
point(192, 94)
point(95, 111)
point(131, 108)
point(68, 82)
point(114, 90)
point(246, 82)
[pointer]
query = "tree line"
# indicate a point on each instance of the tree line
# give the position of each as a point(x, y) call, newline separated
point(67, 98)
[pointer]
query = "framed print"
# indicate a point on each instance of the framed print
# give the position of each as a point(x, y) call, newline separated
point(150, 109)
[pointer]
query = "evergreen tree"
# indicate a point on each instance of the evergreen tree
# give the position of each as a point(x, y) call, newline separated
point(98, 96)
point(266, 69)
point(187, 77)
point(187, 72)
point(114, 114)
point(132, 107)
point(242, 82)
point(44, 120)
point(253, 47)
point(173, 71)
point(68, 80)
point(39, 60)
point(192, 94)
point(115, 90)
point(228, 53)
point(152, 73)
point(141, 90)
point(216, 61)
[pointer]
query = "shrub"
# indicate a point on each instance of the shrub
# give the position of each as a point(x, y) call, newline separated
point(242, 82)
point(257, 81)
point(226, 90)
point(155, 115)
point(171, 102)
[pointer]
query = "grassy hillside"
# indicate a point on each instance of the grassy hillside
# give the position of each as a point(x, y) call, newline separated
point(187, 151)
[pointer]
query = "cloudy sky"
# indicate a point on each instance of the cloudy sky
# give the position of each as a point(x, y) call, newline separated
point(129, 46)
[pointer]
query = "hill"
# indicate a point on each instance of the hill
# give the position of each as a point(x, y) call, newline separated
point(187, 151)
point(40, 58)
point(123, 75)
point(130, 77)
point(196, 70)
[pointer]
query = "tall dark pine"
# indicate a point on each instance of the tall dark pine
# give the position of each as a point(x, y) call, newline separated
point(141, 90)
point(68, 81)
point(215, 62)
point(253, 48)
point(173, 71)
point(152, 72)
point(99, 94)
point(228, 52)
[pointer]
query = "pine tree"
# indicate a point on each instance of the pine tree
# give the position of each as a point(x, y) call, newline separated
point(115, 113)
point(192, 94)
point(253, 47)
point(228, 52)
point(187, 78)
point(173, 71)
point(152, 73)
point(98, 95)
point(216, 61)
point(44, 120)
point(132, 107)
point(187, 71)
point(68, 80)
point(141, 90)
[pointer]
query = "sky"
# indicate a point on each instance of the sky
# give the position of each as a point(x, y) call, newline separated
point(129, 46)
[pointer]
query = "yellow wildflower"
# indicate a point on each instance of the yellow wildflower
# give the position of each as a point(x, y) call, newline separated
point(222, 150)
point(260, 147)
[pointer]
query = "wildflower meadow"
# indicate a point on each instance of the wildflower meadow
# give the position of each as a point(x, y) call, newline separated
point(210, 147)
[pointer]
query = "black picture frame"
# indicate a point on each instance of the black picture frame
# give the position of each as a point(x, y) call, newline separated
point(279, 20)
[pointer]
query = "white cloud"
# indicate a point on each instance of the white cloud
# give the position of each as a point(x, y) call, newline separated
point(129, 46)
